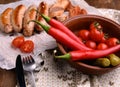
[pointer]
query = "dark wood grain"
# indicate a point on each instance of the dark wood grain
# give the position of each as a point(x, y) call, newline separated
point(112, 4)
point(7, 1)
point(8, 77)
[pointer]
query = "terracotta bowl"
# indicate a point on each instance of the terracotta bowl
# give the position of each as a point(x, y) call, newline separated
point(82, 22)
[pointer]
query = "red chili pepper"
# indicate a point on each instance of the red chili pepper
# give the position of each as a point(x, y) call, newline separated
point(60, 26)
point(89, 54)
point(62, 37)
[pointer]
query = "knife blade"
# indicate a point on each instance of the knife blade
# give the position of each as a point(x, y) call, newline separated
point(19, 72)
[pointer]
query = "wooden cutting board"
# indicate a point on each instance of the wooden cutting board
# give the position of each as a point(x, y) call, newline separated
point(7, 78)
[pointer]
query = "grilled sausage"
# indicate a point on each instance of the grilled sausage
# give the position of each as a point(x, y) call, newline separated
point(17, 17)
point(58, 8)
point(30, 14)
point(42, 9)
point(5, 21)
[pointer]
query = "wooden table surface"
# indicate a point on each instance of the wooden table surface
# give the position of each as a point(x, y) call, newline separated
point(8, 76)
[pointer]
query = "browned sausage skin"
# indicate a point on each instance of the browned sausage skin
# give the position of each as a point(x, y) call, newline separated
point(17, 18)
point(5, 21)
point(42, 9)
point(30, 14)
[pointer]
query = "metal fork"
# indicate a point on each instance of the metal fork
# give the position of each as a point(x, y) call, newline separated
point(29, 65)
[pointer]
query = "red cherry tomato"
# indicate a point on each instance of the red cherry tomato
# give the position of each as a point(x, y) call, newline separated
point(103, 40)
point(27, 46)
point(102, 46)
point(90, 44)
point(84, 34)
point(95, 25)
point(112, 41)
point(105, 37)
point(96, 35)
point(17, 42)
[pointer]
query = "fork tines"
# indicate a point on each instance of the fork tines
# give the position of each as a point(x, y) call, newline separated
point(28, 59)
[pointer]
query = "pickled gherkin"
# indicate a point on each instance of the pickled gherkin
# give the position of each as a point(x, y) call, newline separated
point(103, 62)
point(114, 59)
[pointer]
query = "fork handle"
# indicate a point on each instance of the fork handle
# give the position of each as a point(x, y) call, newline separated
point(32, 79)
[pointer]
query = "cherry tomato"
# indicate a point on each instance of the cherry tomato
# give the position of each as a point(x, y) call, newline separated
point(112, 41)
point(95, 25)
point(102, 46)
point(91, 44)
point(17, 42)
point(103, 40)
point(105, 37)
point(96, 35)
point(27, 46)
point(84, 34)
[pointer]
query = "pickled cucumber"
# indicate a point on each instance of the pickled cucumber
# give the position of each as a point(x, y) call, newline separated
point(114, 59)
point(103, 62)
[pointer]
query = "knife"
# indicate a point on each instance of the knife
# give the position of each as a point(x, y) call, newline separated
point(19, 72)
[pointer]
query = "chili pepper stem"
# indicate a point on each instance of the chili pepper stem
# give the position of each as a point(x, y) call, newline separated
point(46, 28)
point(66, 56)
point(47, 19)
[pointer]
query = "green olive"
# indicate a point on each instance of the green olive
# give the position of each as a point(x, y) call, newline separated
point(114, 59)
point(103, 62)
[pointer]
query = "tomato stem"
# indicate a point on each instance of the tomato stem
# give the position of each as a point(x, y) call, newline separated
point(98, 26)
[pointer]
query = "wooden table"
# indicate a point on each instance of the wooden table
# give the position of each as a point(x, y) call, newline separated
point(9, 76)
point(111, 4)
